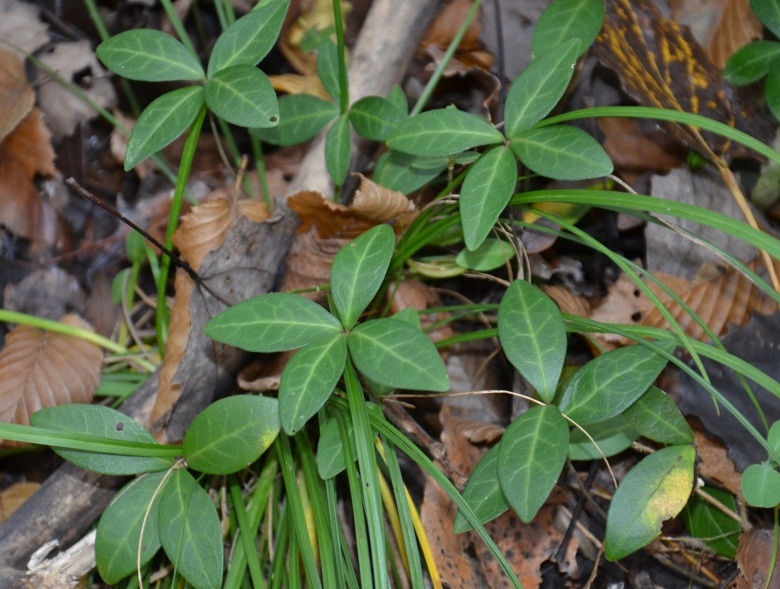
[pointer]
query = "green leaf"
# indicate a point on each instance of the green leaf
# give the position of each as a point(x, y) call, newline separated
point(612, 436)
point(533, 336)
point(562, 152)
point(242, 95)
point(149, 55)
point(328, 68)
point(442, 132)
point(607, 385)
point(190, 532)
point(751, 62)
point(358, 271)
point(231, 434)
point(249, 39)
point(772, 90)
point(768, 12)
point(274, 322)
point(375, 117)
point(486, 191)
point(406, 173)
point(119, 529)
point(710, 525)
point(395, 354)
point(483, 493)
point(539, 87)
point(330, 449)
point(774, 436)
point(338, 149)
point(655, 416)
point(301, 117)
point(567, 19)
point(162, 122)
point(309, 379)
point(398, 98)
point(761, 485)
point(656, 489)
point(530, 459)
point(490, 255)
point(100, 422)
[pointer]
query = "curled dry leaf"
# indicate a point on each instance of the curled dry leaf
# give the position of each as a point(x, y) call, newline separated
point(42, 369)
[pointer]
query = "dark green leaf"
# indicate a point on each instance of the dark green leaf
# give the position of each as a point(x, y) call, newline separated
point(492, 254)
point(488, 186)
point(328, 68)
point(752, 62)
point(772, 90)
point(100, 422)
point(162, 122)
point(309, 379)
point(119, 529)
point(654, 490)
point(761, 485)
point(562, 152)
point(395, 354)
point(149, 55)
point(274, 322)
point(442, 132)
point(607, 385)
point(539, 87)
point(243, 95)
point(483, 493)
point(530, 459)
point(710, 525)
point(338, 149)
point(655, 416)
point(358, 271)
point(398, 98)
point(301, 117)
point(533, 336)
point(567, 19)
point(406, 173)
point(375, 117)
point(249, 39)
point(190, 532)
point(612, 436)
point(330, 450)
point(768, 12)
point(231, 434)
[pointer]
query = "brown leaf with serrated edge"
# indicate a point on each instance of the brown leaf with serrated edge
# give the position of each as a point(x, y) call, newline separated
point(42, 369)
point(660, 64)
point(727, 298)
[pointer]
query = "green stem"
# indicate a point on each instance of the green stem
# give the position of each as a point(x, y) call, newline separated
point(188, 155)
point(338, 21)
point(178, 26)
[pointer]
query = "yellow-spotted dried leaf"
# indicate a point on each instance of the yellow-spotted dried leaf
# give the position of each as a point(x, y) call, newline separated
point(43, 369)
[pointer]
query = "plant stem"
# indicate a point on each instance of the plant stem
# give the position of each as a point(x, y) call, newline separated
point(62, 328)
point(338, 21)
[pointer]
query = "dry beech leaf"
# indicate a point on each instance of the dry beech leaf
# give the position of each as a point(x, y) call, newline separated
point(754, 558)
point(714, 463)
point(478, 432)
point(14, 496)
point(42, 369)
point(729, 298)
point(632, 151)
point(738, 26)
point(16, 95)
point(420, 296)
point(567, 301)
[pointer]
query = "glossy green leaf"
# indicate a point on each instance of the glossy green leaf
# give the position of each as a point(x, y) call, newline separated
point(751, 62)
point(375, 117)
point(486, 191)
point(483, 492)
point(395, 354)
point(772, 90)
point(338, 149)
point(768, 12)
point(328, 68)
point(301, 117)
point(149, 55)
point(358, 271)
point(100, 422)
point(656, 489)
point(249, 39)
point(406, 173)
point(607, 385)
point(567, 19)
point(761, 485)
point(330, 450)
point(243, 95)
point(230, 434)
point(443, 132)
point(273, 322)
point(533, 336)
point(530, 458)
point(562, 152)
point(490, 255)
point(612, 436)
point(710, 525)
point(655, 416)
point(308, 380)
point(162, 122)
point(119, 529)
point(190, 532)
point(539, 87)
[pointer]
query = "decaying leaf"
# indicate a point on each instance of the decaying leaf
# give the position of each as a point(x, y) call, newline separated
point(16, 95)
point(13, 497)
point(42, 369)
point(443, 30)
point(754, 557)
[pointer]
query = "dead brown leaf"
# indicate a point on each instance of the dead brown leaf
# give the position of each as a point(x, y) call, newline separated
point(13, 497)
point(754, 557)
point(738, 26)
point(42, 369)
point(16, 95)
point(714, 463)
point(632, 151)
